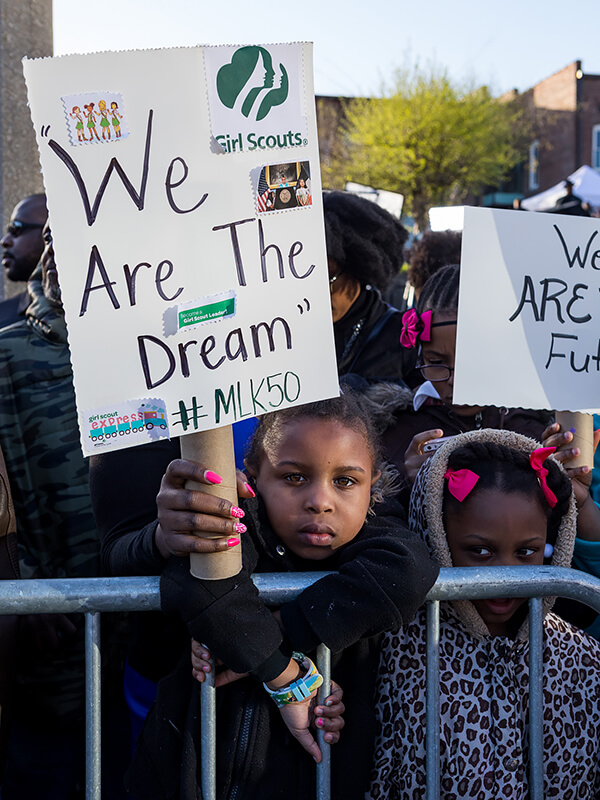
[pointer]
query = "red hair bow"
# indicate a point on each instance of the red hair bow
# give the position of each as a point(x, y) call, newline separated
point(461, 482)
point(415, 327)
point(536, 459)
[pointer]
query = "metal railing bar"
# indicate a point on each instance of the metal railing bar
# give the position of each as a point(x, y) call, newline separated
point(72, 595)
point(208, 735)
point(69, 595)
point(324, 768)
point(92, 707)
point(470, 583)
point(432, 682)
point(536, 700)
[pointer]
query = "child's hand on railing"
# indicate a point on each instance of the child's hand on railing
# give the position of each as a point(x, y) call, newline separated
point(202, 663)
point(184, 513)
point(328, 715)
point(299, 717)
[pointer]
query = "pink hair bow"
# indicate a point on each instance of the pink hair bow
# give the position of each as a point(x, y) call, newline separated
point(461, 482)
point(536, 459)
point(415, 327)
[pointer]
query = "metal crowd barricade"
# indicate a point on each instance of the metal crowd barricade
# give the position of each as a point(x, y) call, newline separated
point(93, 596)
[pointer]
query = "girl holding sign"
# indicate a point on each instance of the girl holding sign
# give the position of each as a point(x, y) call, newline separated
point(318, 506)
point(491, 498)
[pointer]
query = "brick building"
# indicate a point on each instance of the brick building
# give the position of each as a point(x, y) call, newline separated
point(567, 109)
point(570, 101)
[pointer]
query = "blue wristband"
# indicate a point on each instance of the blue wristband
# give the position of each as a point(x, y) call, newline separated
point(300, 689)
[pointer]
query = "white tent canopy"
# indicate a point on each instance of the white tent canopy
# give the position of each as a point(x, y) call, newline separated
point(586, 185)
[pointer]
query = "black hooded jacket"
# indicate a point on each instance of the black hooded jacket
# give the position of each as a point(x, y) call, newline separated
point(377, 583)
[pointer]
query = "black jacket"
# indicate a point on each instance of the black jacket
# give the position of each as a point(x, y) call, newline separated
point(380, 579)
point(367, 342)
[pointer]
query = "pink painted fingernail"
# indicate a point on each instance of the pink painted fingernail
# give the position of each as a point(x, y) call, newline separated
point(213, 477)
point(319, 722)
point(239, 527)
point(232, 542)
point(237, 512)
point(250, 489)
point(206, 668)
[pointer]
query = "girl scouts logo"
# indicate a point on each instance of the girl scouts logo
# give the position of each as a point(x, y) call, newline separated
point(243, 76)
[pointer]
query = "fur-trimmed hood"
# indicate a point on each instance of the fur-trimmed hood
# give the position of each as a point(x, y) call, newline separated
point(383, 400)
point(426, 517)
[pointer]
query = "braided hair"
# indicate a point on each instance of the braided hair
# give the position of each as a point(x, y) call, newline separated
point(440, 292)
point(507, 470)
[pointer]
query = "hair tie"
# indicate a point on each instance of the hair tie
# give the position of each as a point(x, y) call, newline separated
point(415, 328)
point(461, 482)
point(548, 551)
point(536, 459)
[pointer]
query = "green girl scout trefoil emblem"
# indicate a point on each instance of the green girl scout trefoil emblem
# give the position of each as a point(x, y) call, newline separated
point(233, 79)
point(257, 97)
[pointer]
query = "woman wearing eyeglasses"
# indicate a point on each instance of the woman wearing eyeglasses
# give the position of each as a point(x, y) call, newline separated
point(364, 253)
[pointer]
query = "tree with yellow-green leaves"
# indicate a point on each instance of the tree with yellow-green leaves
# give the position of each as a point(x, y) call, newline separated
point(431, 140)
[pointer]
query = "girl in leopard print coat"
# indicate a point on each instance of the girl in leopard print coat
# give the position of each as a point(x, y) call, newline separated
point(481, 501)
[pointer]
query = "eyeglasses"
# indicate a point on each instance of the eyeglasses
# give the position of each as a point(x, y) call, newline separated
point(16, 228)
point(435, 372)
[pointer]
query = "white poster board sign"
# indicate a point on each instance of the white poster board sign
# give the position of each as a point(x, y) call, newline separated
point(529, 311)
point(185, 205)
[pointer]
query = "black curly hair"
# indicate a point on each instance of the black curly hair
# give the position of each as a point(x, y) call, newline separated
point(440, 293)
point(435, 249)
point(508, 470)
point(365, 240)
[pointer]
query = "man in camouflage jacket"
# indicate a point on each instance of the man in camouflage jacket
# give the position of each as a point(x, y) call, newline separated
point(57, 536)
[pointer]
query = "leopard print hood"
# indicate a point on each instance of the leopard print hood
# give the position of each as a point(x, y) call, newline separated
point(426, 517)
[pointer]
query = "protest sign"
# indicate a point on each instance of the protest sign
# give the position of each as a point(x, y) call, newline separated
point(528, 333)
point(185, 205)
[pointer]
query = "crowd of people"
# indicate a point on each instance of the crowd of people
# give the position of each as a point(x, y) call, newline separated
point(379, 488)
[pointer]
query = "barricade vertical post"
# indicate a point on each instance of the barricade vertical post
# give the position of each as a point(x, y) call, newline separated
point(324, 768)
point(536, 710)
point(92, 701)
point(432, 738)
point(208, 735)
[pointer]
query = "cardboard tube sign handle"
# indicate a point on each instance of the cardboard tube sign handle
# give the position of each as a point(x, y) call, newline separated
point(214, 450)
point(582, 427)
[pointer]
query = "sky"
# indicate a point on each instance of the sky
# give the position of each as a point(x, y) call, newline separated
point(357, 45)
